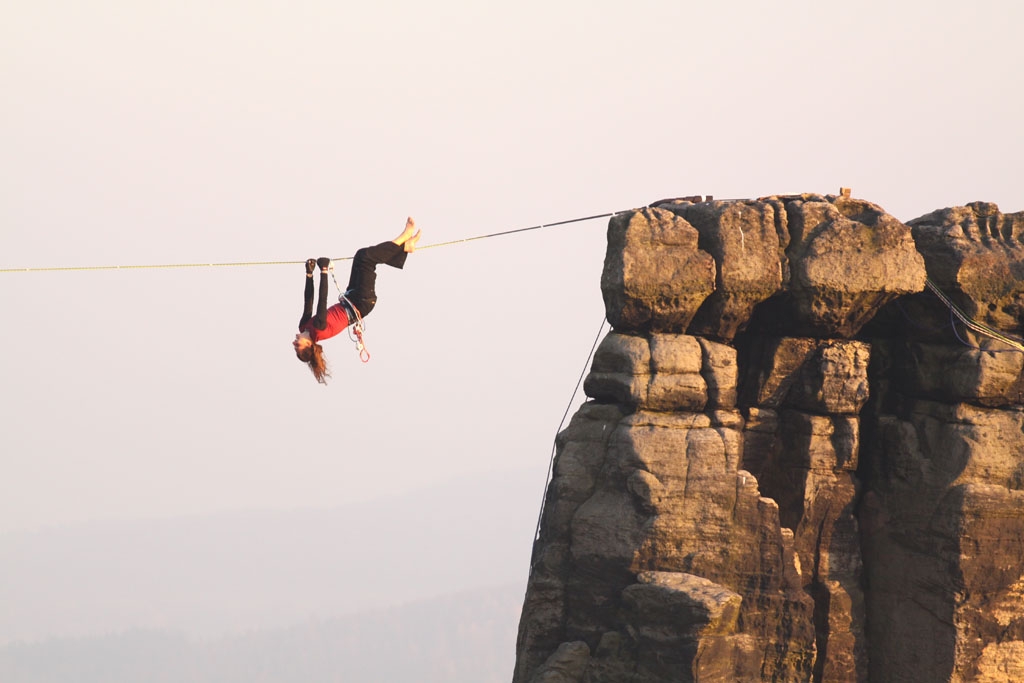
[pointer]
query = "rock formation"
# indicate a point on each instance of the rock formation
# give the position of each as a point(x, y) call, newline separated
point(793, 467)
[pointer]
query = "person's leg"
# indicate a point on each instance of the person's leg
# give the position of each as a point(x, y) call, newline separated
point(362, 280)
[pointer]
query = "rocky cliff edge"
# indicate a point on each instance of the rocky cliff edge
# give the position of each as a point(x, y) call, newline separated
point(795, 464)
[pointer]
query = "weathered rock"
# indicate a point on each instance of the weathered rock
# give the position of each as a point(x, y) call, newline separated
point(805, 462)
point(989, 528)
point(676, 383)
point(621, 371)
point(1001, 663)
point(823, 376)
point(662, 372)
point(990, 377)
point(667, 491)
point(747, 240)
point(720, 373)
point(817, 265)
point(771, 368)
point(975, 254)
point(793, 504)
point(565, 665)
point(655, 277)
point(683, 627)
point(680, 604)
point(848, 258)
point(574, 480)
point(944, 540)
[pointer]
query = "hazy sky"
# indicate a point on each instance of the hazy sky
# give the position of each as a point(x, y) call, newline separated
point(163, 132)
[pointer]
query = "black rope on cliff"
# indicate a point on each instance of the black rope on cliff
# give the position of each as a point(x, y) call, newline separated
point(554, 444)
point(512, 232)
point(969, 345)
point(1015, 344)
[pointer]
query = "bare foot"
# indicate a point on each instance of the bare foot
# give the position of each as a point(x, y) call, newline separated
point(410, 244)
point(410, 230)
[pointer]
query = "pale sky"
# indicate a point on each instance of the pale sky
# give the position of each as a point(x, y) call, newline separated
point(165, 132)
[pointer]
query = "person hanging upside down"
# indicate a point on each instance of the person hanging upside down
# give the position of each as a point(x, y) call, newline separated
point(358, 301)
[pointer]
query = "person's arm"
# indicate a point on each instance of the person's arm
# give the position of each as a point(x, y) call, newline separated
point(307, 306)
point(320, 321)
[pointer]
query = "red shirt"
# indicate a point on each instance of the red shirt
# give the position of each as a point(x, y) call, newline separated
point(337, 321)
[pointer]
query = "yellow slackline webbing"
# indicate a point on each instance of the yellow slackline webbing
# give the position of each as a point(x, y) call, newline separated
point(149, 266)
point(978, 327)
point(238, 264)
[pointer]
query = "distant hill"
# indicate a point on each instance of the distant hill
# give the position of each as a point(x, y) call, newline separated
point(466, 637)
point(218, 575)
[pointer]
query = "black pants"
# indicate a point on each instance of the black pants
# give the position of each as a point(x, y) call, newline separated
point(363, 278)
point(361, 282)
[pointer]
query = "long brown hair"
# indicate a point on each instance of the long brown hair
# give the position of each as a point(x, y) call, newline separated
point(313, 356)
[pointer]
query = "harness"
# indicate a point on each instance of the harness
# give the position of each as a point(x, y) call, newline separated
point(355, 330)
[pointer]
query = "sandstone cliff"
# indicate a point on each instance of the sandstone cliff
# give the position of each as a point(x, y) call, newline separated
point(795, 465)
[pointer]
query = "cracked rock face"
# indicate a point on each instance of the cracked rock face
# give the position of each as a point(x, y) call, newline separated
point(976, 255)
point(944, 534)
point(848, 258)
point(748, 243)
point(825, 263)
point(644, 508)
point(655, 277)
point(781, 473)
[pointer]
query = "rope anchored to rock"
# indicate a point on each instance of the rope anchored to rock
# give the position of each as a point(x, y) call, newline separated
point(970, 323)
